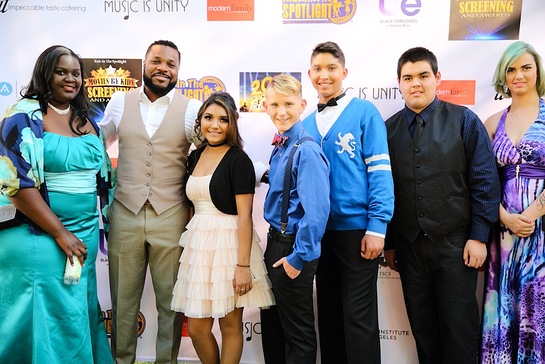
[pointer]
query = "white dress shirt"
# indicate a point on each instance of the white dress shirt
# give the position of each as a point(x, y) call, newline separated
point(327, 117)
point(152, 113)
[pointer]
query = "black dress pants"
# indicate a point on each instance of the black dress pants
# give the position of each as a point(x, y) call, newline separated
point(346, 287)
point(439, 291)
point(287, 329)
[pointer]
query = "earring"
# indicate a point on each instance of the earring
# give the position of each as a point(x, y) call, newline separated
point(505, 89)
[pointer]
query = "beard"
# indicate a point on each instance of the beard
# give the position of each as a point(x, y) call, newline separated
point(159, 91)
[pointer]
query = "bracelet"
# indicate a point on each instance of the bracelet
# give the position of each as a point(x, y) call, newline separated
point(243, 266)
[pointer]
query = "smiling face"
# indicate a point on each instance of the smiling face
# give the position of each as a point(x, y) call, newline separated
point(160, 71)
point(215, 124)
point(521, 75)
point(418, 84)
point(327, 74)
point(284, 110)
point(66, 81)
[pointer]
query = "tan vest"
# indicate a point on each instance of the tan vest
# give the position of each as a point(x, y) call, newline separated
point(152, 169)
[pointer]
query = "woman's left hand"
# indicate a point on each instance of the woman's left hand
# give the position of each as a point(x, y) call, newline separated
point(243, 280)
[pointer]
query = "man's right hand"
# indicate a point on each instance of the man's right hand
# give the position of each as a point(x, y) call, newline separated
point(390, 257)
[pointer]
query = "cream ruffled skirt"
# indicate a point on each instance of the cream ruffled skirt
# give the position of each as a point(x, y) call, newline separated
point(207, 265)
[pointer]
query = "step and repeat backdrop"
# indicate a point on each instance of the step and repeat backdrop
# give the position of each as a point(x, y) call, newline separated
point(236, 46)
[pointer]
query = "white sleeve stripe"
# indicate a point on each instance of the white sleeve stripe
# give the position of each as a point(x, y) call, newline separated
point(378, 157)
point(380, 167)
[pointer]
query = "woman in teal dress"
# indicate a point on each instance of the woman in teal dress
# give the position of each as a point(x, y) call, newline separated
point(47, 137)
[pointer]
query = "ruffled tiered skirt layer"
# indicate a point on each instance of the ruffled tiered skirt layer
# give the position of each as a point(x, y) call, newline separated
point(207, 265)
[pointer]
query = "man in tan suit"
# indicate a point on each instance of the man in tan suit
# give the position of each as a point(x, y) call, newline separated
point(154, 126)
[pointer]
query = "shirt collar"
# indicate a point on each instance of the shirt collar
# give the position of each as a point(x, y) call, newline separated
point(293, 133)
point(168, 97)
point(425, 114)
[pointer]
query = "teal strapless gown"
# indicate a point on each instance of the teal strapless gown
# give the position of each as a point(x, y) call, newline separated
point(42, 320)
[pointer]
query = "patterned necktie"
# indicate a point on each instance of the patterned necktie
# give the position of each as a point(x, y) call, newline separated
point(279, 140)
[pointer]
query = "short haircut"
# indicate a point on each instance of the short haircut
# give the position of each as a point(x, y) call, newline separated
point(286, 84)
point(166, 43)
point(417, 54)
point(514, 51)
point(331, 48)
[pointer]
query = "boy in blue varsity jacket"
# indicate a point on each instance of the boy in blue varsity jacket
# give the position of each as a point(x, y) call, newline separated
point(353, 137)
point(297, 209)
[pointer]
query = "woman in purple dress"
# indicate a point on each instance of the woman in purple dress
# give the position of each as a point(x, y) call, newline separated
point(514, 307)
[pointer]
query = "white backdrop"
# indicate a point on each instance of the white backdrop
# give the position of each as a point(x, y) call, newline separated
point(376, 34)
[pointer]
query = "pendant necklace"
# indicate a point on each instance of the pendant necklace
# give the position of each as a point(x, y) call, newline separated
point(59, 111)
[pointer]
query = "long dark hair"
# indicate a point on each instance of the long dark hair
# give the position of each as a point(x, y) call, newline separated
point(226, 101)
point(39, 87)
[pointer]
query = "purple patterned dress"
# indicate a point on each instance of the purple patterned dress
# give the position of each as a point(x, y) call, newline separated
point(514, 306)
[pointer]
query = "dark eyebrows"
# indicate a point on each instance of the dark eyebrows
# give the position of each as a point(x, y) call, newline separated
point(425, 73)
point(523, 66)
point(327, 65)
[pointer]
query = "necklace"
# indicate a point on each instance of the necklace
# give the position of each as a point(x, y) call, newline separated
point(218, 144)
point(59, 111)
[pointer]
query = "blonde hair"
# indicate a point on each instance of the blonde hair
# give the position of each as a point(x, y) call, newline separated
point(285, 84)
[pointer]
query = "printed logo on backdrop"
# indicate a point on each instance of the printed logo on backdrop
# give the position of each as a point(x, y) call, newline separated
point(200, 89)
point(375, 92)
point(498, 96)
point(318, 11)
point(141, 323)
point(249, 328)
point(5, 88)
point(31, 6)
point(484, 20)
point(384, 272)
point(104, 76)
point(457, 92)
point(461, 92)
point(102, 243)
point(399, 13)
point(129, 7)
point(393, 335)
point(226, 10)
point(253, 86)
point(185, 333)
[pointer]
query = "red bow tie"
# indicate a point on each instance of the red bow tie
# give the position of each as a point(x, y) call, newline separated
point(279, 140)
